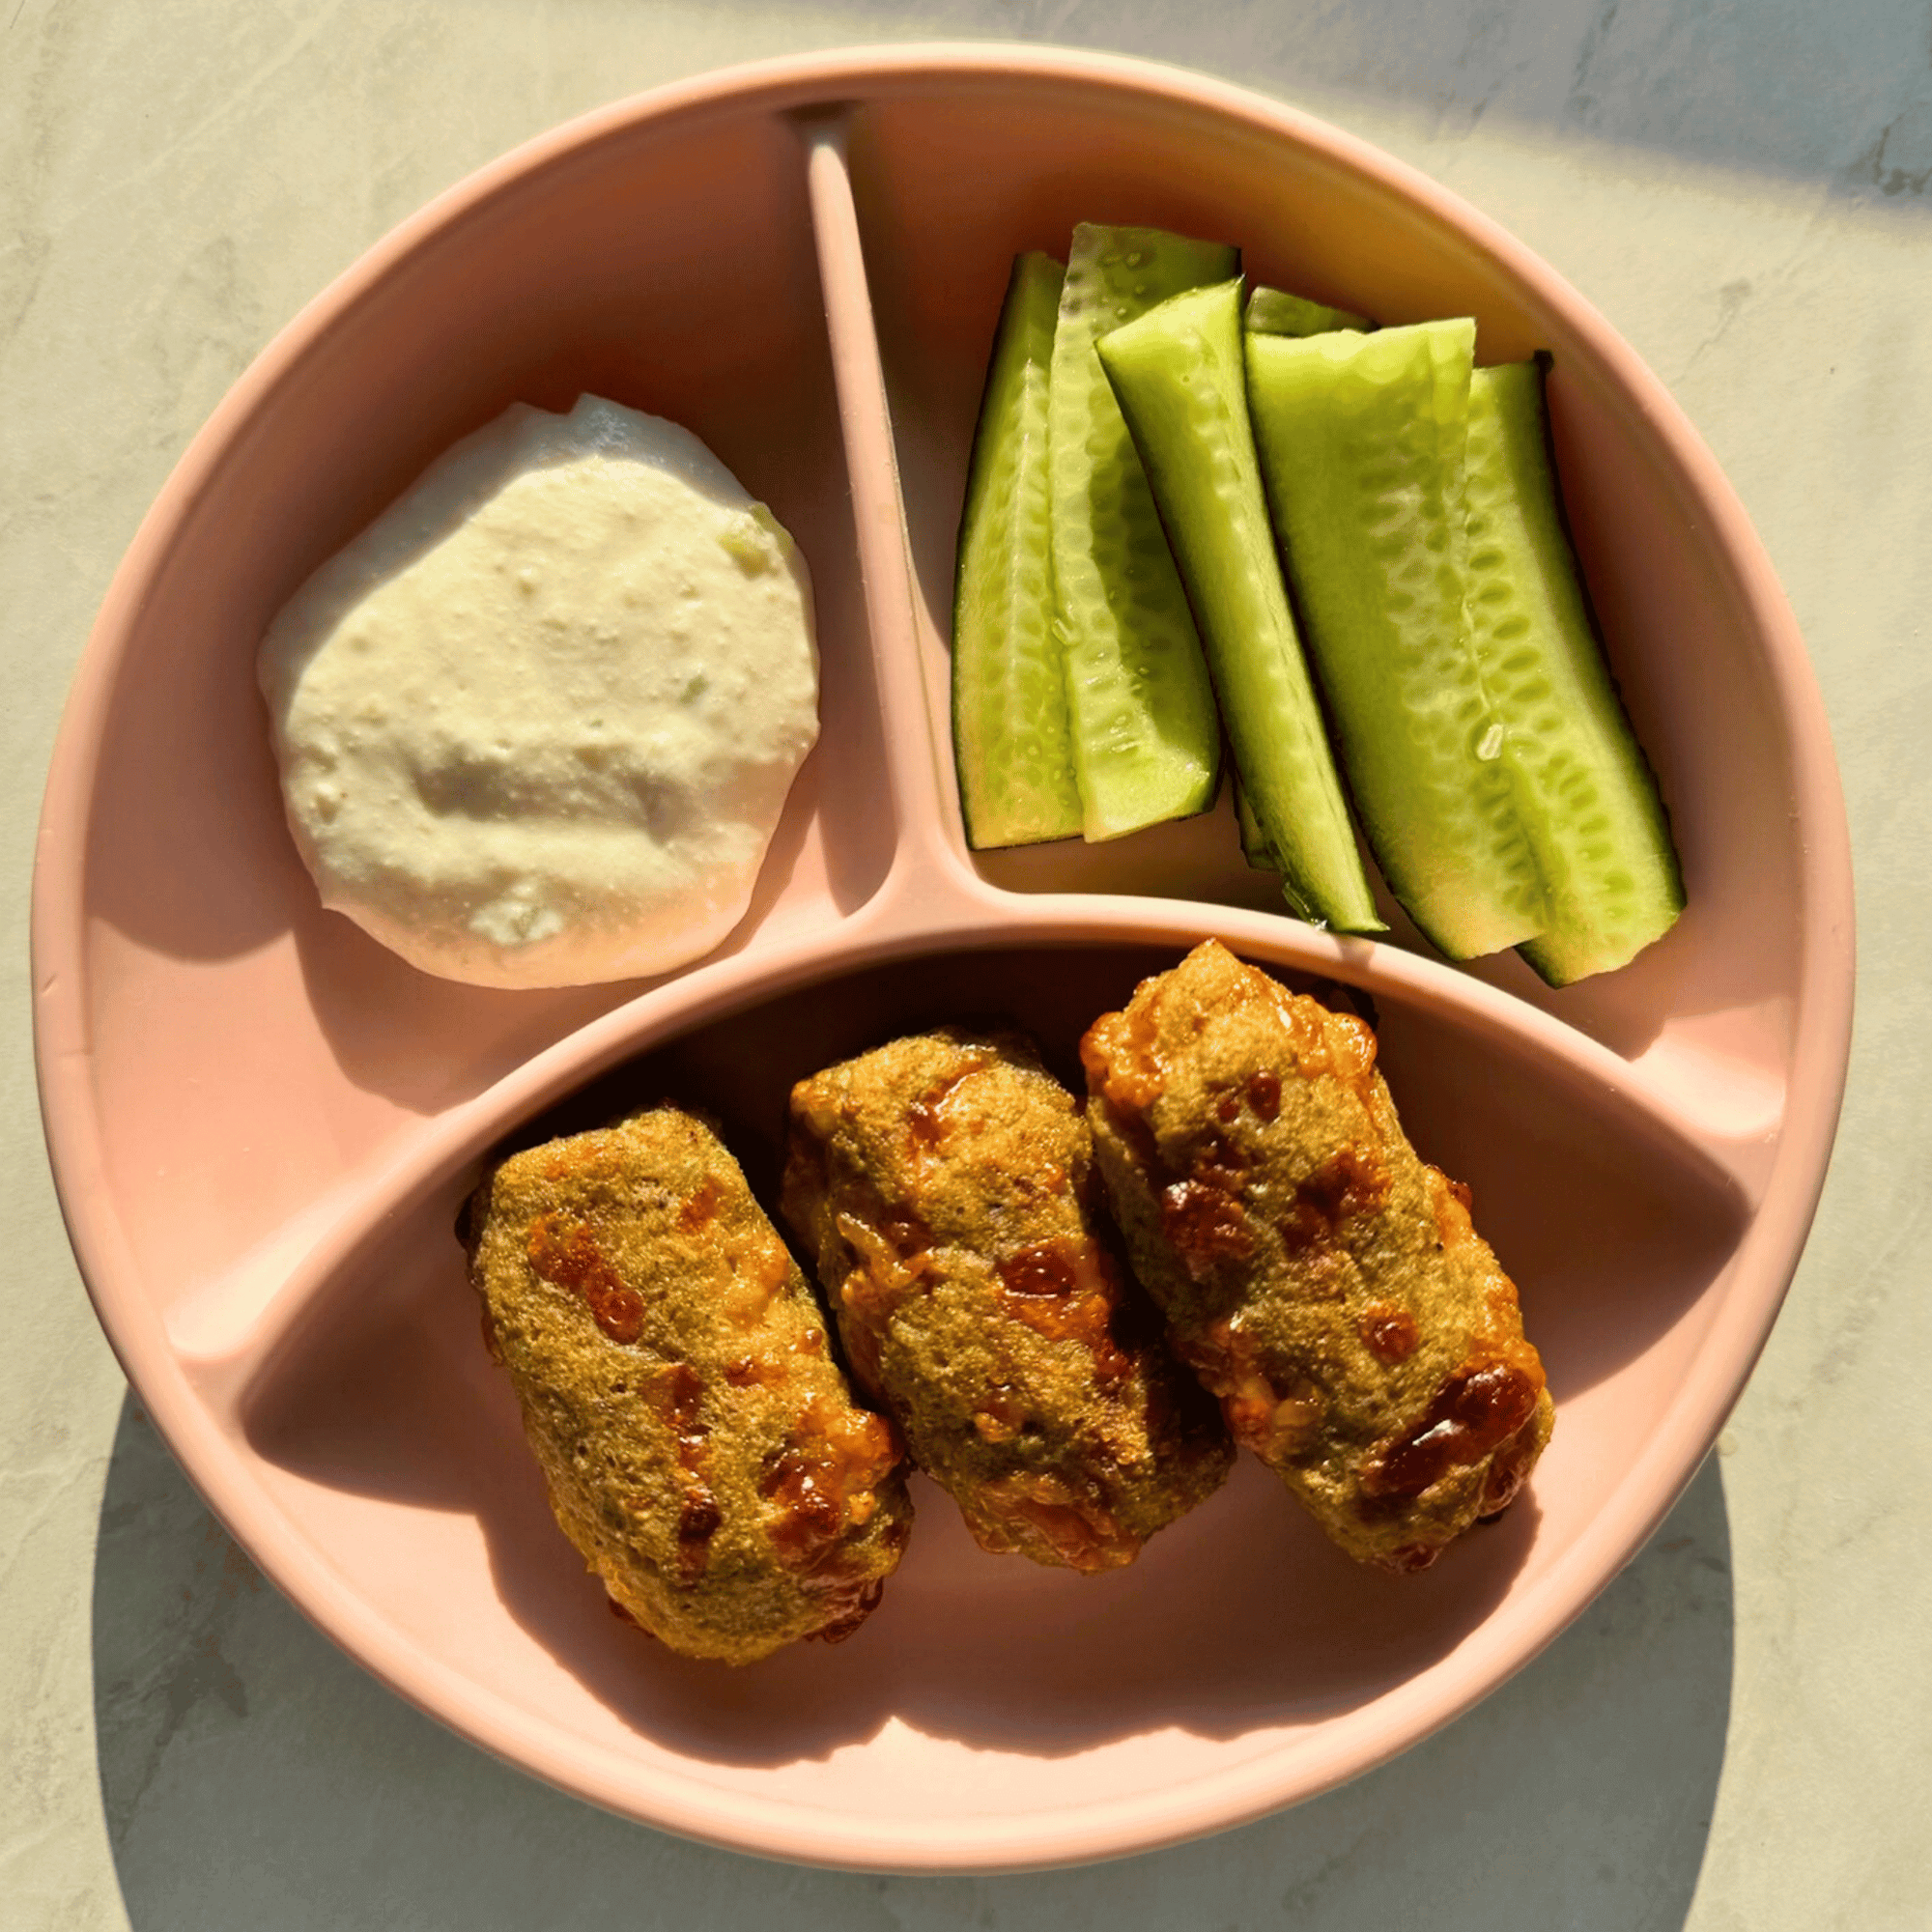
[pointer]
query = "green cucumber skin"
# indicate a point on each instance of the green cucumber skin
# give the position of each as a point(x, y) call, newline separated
point(1276, 312)
point(1146, 740)
point(1590, 800)
point(1178, 373)
point(1012, 735)
point(1255, 847)
point(1361, 441)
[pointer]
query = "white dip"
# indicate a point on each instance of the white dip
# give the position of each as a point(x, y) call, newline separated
point(537, 723)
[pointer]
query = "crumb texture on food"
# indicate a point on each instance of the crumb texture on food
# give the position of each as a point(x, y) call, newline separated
point(700, 1444)
point(1321, 1278)
point(537, 723)
point(944, 1185)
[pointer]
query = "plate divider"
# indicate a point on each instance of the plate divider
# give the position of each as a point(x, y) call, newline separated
point(929, 877)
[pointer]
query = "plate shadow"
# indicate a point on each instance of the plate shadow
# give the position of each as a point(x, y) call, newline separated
point(251, 1776)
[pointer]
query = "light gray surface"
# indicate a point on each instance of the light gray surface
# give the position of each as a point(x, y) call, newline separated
point(1735, 1735)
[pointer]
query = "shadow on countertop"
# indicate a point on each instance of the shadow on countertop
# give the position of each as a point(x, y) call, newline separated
point(252, 1775)
point(1838, 94)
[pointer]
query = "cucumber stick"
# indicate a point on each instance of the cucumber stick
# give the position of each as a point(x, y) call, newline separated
point(1147, 743)
point(1010, 733)
point(1362, 445)
point(1276, 312)
point(1177, 372)
point(1589, 802)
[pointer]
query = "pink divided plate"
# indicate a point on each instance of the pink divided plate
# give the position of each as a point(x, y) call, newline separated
point(262, 1125)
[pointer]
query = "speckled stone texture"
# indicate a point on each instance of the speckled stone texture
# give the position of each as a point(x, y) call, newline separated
point(1734, 1737)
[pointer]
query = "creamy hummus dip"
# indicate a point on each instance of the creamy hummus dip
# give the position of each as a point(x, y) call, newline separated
point(537, 723)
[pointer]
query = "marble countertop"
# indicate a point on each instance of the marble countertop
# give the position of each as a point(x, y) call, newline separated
point(1736, 1735)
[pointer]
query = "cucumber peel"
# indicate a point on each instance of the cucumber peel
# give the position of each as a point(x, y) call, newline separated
point(1178, 373)
point(1255, 847)
point(1011, 736)
point(1361, 440)
point(1145, 739)
point(1276, 312)
point(1588, 799)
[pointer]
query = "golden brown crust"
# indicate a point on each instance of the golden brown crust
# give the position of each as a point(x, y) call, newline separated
point(1323, 1281)
point(698, 1442)
point(945, 1185)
